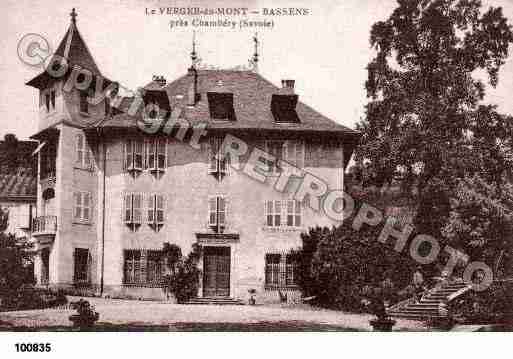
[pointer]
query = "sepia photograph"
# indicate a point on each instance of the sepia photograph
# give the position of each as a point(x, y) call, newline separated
point(255, 166)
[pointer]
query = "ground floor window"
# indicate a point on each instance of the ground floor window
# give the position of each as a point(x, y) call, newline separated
point(82, 265)
point(143, 267)
point(281, 270)
point(45, 266)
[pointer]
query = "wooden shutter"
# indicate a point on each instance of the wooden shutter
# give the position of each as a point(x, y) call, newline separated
point(297, 213)
point(80, 149)
point(212, 214)
point(277, 213)
point(137, 200)
point(161, 154)
point(129, 153)
point(138, 154)
point(212, 158)
point(127, 208)
point(150, 154)
point(290, 213)
point(269, 212)
point(77, 212)
point(159, 199)
point(151, 208)
point(86, 210)
point(221, 210)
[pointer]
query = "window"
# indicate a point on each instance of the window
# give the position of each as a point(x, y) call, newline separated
point(82, 261)
point(84, 104)
point(273, 210)
point(281, 270)
point(143, 267)
point(83, 152)
point(217, 213)
point(155, 210)
point(291, 151)
point(133, 155)
point(132, 209)
point(156, 154)
point(217, 163)
point(52, 99)
point(82, 206)
point(283, 213)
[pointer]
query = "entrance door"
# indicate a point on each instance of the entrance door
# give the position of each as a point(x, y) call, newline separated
point(216, 272)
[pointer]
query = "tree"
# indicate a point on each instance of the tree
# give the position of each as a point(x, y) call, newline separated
point(481, 221)
point(15, 260)
point(184, 274)
point(424, 117)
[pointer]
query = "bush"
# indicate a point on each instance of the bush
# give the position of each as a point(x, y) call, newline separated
point(490, 306)
point(28, 298)
point(183, 280)
point(347, 269)
point(86, 315)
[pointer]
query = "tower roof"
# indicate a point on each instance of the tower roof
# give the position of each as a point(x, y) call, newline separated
point(74, 49)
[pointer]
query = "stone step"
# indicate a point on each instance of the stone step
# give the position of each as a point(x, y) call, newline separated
point(215, 301)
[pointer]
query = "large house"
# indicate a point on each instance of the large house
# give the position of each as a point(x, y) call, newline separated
point(110, 194)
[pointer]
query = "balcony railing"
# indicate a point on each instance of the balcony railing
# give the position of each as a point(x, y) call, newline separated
point(44, 225)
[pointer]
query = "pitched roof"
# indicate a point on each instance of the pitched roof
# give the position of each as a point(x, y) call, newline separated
point(74, 49)
point(252, 95)
point(18, 186)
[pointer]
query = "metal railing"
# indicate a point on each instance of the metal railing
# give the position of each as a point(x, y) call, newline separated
point(44, 224)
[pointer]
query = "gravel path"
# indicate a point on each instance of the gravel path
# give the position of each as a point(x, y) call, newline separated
point(123, 315)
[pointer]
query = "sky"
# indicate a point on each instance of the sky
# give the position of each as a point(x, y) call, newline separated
point(326, 52)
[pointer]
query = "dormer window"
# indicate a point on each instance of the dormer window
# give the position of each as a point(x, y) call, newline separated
point(220, 105)
point(283, 108)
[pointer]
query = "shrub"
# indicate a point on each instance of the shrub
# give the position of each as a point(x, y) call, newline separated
point(86, 315)
point(347, 269)
point(184, 274)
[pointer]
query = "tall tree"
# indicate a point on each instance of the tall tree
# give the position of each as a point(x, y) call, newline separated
point(424, 117)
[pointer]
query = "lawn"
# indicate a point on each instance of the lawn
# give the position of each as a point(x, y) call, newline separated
point(125, 315)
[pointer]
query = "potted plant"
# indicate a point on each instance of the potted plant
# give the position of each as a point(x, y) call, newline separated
point(382, 322)
point(252, 300)
point(85, 317)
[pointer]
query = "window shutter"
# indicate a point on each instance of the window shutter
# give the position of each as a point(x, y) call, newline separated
point(160, 208)
point(78, 205)
point(137, 210)
point(290, 213)
point(87, 205)
point(297, 222)
point(267, 212)
point(212, 206)
point(150, 154)
point(151, 208)
point(80, 149)
point(127, 208)
point(300, 154)
point(212, 150)
point(138, 154)
point(129, 155)
point(161, 154)
point(221, 210)
point(277, 213)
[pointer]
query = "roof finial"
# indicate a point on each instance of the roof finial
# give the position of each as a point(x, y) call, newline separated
point(254, 60)
point(194, 56)
point(73, 15)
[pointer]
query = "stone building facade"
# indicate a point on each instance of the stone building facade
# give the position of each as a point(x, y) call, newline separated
point(113, 187)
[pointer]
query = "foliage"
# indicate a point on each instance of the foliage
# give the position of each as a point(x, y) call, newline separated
point(425, 121)
point(86, 315)
point(490, 306)
point(15, 263)
point(184, 274)
point(481, 220)
point(15, 155)
point(347, 269)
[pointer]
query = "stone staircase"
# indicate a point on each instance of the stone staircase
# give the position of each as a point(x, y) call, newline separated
point(432, 305)
point(215, 301)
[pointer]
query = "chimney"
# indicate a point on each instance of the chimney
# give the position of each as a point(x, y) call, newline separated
point(288, 86)
point(160, 80)
point(192, 93)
